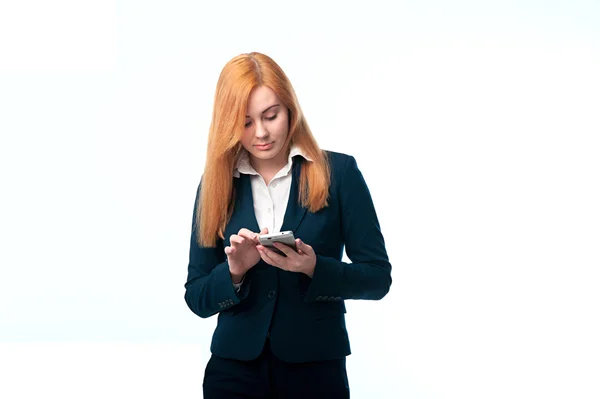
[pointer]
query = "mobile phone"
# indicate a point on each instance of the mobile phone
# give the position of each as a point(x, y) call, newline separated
point(284, 237)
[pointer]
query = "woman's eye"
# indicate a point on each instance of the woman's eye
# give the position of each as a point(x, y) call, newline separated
point(248, 124)
point(271, 117)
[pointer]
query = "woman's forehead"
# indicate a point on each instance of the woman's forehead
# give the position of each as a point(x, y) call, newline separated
point(261, 98)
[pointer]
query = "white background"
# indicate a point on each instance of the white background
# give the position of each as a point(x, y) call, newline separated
point(474, 123)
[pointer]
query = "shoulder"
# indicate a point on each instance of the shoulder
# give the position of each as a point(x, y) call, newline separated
point(340, 166)
point(339, 161)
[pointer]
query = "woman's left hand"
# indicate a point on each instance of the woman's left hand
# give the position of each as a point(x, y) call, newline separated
point(303, 261)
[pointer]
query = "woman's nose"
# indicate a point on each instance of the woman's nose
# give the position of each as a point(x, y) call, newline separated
point(260, 130)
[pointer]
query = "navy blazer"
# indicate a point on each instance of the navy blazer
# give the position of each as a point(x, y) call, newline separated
point(303, 317)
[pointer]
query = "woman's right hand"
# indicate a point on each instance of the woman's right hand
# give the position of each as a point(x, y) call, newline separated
point(242, 254)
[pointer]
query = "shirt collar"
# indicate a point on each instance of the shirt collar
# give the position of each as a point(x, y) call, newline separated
point(243, 163)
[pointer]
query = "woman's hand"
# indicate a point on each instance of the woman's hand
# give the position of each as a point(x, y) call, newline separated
point(242, 254)
point(303, 261)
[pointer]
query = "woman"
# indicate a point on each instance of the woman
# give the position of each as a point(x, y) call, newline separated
point(281, 329)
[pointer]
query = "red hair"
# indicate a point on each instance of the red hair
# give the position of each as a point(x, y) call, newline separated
point(239, 76)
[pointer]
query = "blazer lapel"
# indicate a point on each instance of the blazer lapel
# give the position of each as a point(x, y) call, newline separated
point(243, 212)
point(294, 212)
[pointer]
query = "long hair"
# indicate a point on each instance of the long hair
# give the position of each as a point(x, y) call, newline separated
point(237, 79)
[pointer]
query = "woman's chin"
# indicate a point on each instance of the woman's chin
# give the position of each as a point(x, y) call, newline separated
point(265, 155)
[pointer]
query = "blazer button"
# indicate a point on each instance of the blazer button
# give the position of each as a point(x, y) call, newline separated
point(271, 294)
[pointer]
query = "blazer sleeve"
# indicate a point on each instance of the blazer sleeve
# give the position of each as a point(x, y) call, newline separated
point(369, 274)
point(209, 288)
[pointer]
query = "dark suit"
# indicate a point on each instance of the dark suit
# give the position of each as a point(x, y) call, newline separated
point(303, 317)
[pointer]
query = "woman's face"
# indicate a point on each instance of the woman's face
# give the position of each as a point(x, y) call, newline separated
point(266, 127)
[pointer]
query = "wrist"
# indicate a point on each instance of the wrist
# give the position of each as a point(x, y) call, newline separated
point(310, 271)
point(236, 277)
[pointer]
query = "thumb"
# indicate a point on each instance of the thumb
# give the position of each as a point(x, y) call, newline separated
point(263, 231)
point(301, 246)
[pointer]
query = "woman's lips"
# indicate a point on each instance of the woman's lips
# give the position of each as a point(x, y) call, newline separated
point(264, 147)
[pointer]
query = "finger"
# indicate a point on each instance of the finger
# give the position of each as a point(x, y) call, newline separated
point(266, 252)
point(235, 239)
point(244, 231)
point(229, 250)
point(274, 258)
point(264, 230)
point(268, 260)
point(302, 246)
point(250, 235)
point(284, 248)
point(264, 256)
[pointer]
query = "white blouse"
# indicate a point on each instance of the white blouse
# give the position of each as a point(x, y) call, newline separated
point(270, 202)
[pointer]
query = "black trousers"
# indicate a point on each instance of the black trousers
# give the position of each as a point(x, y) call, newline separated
point(269, 377)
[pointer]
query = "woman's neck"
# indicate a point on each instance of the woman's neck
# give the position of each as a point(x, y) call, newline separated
point(268, 168)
